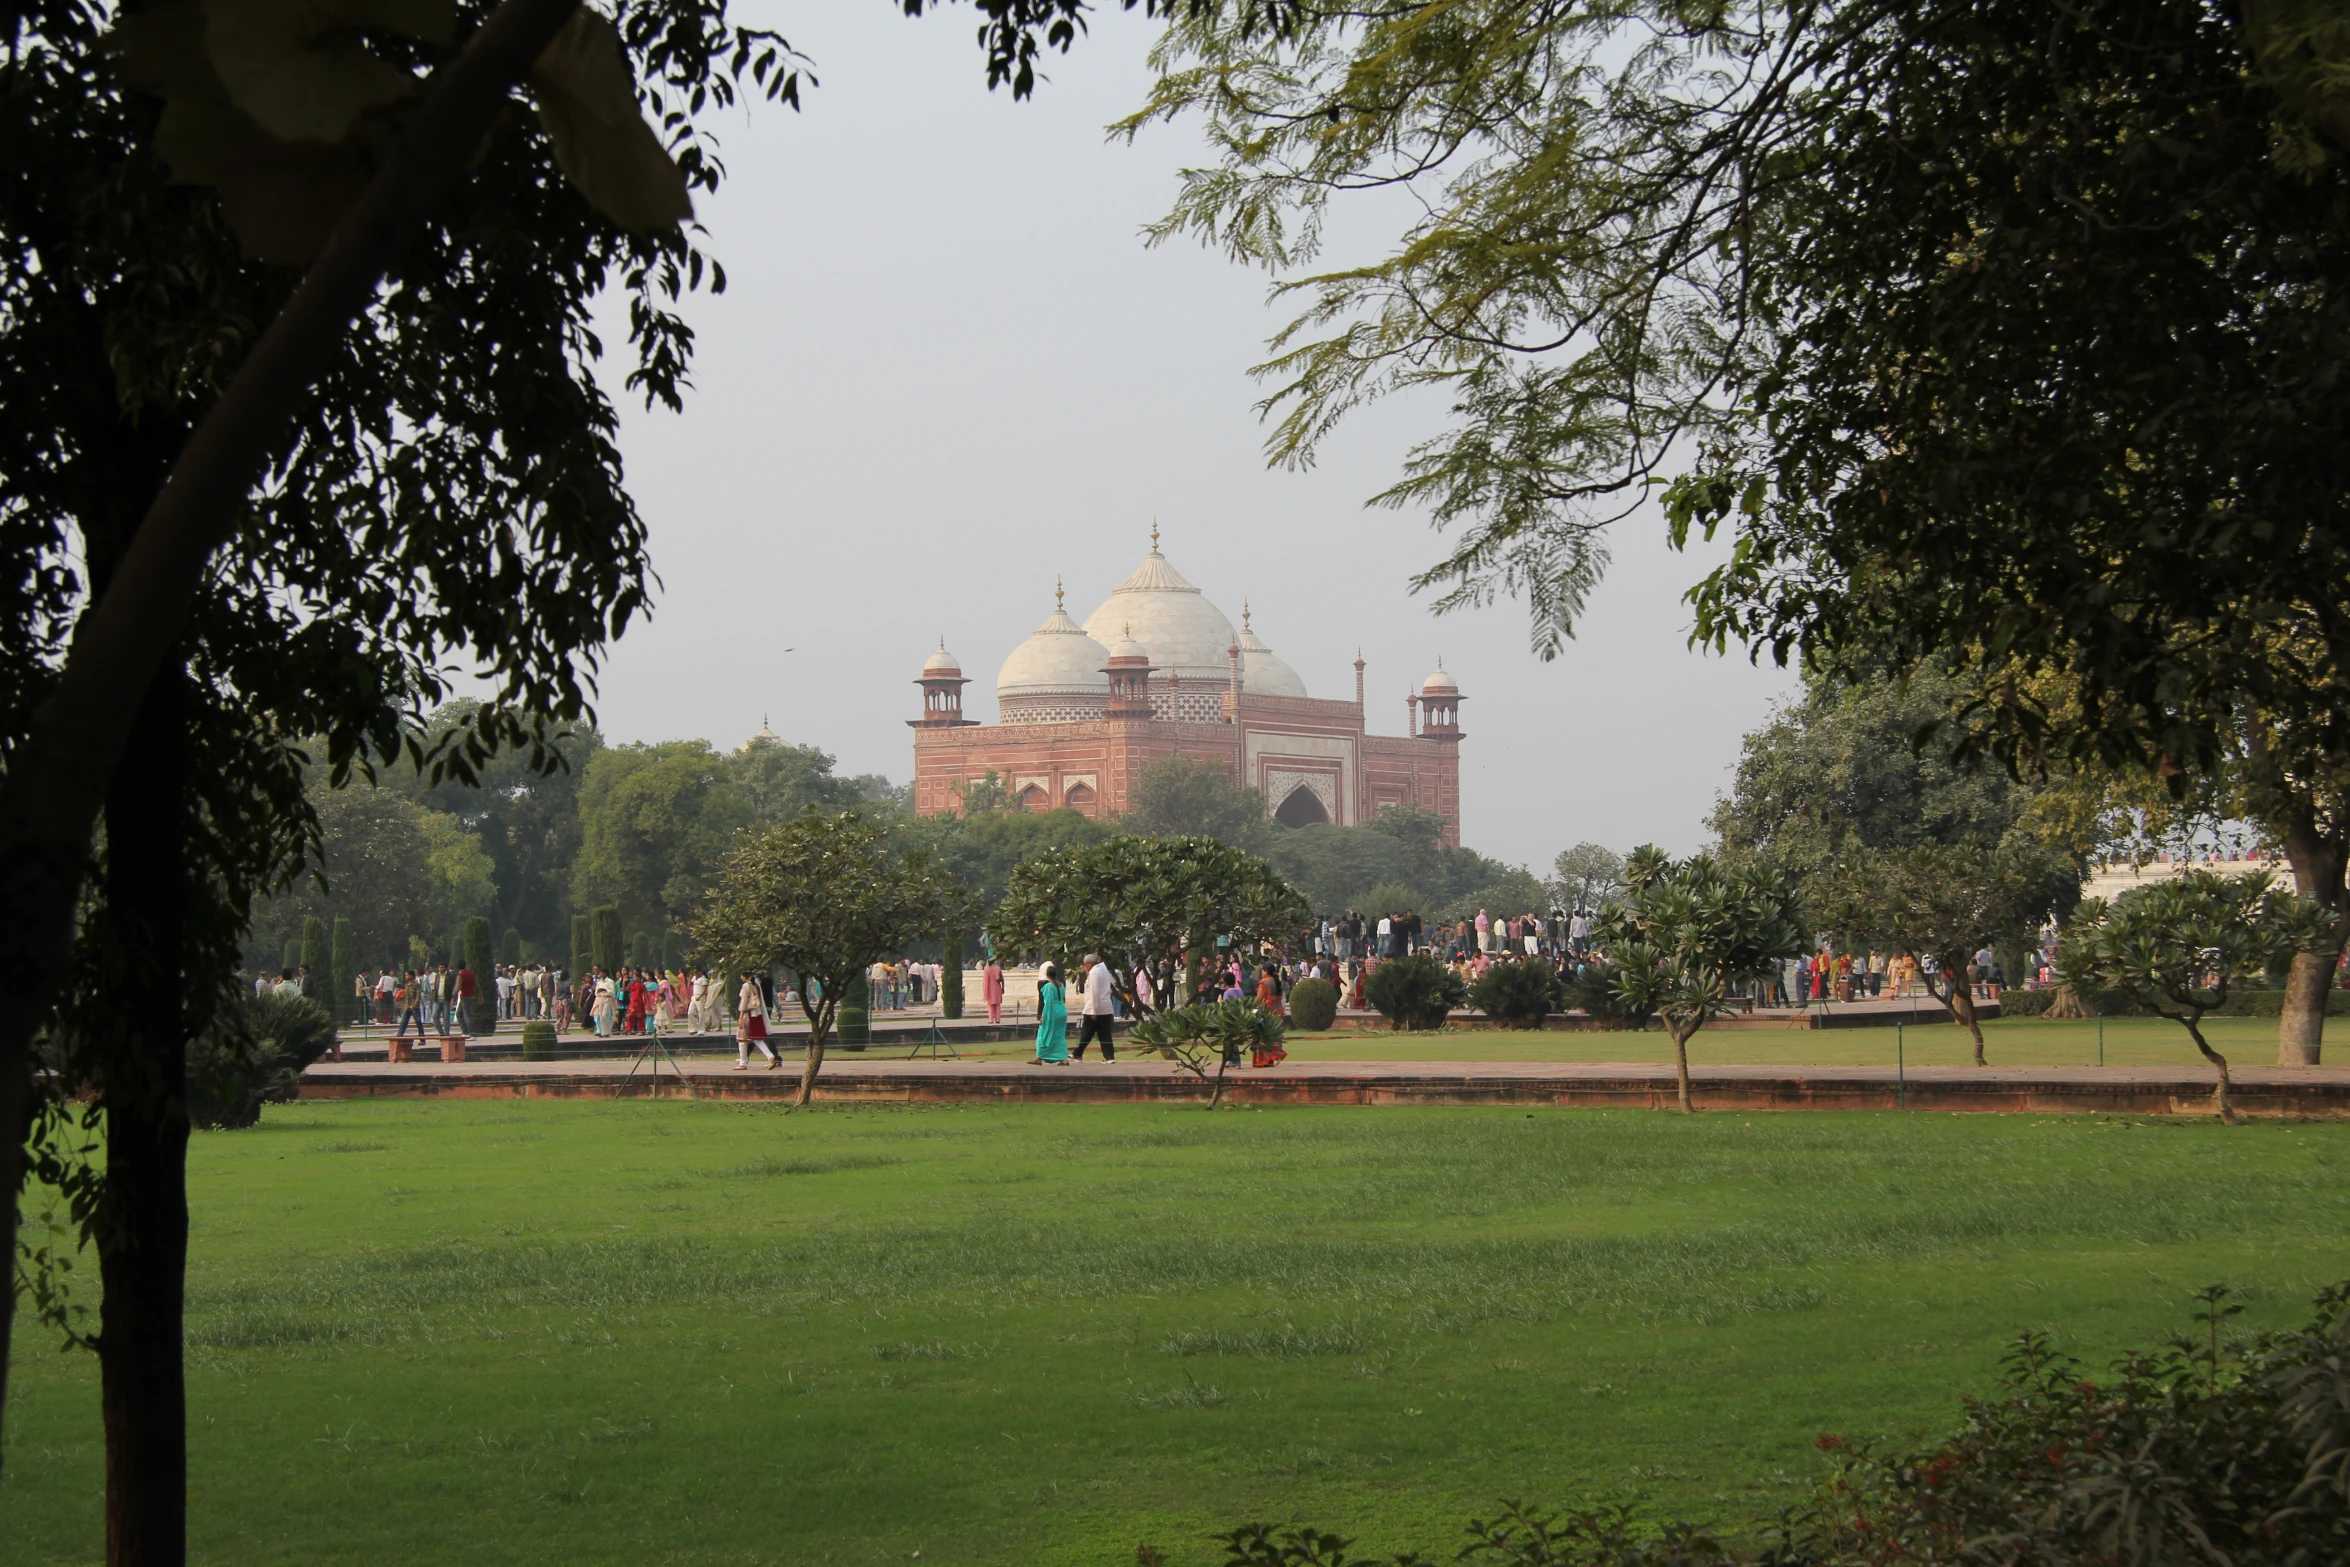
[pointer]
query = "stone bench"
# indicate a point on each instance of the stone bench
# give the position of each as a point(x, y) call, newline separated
point(402, 1046)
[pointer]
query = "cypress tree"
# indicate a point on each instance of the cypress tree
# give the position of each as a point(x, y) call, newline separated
point(583, 945)
point(315, 953)
point(605, 937)
point(510, 948)
point(482, 1013)
point(340, 970)
point(854, 1026)
point(950, 978)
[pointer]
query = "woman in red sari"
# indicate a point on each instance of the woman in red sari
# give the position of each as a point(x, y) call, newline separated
point(636, 1004)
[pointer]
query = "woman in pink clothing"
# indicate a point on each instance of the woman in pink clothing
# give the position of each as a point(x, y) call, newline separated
point(991, 988)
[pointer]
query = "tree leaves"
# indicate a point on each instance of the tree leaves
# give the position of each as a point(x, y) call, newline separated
point(270, 102)
point(587, 102)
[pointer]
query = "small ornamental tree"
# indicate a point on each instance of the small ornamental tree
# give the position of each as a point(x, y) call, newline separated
point(583, 945)
point(1945, 902)
point(1211, 1034)
point(314, 956)
point(1685, 931)
point(342, 1002)
point(1414, 991)
point(1520, 993)
point(826, 897)
point(2177, 946)
point(1142, 904)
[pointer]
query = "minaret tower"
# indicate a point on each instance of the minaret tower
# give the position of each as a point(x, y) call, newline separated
point(942, 686)
point(1129, 670)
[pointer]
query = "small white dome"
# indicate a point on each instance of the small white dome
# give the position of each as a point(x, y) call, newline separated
point(1126, 647)
point(941, 662)
point(1186, 635)
point(1439, 683)
point(1058, 659)
point(1261, 674)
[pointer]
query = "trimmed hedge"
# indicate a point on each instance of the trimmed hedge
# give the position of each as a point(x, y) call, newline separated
point(1313, 1005)
point(852, 1027)
point(538, 1040)
point(2242, 1003)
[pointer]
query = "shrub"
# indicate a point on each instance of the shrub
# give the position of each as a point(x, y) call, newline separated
point(1414, 992)
point(1313, 1005)
point(1593, 993)
point(1520, 994)
point(2202, 1451)
point(252, 1055)
point(950, 978)
point(604, 937)
point(1211, 1034)
point(481, 1013)
point(538, 1040)
point(854, 1027)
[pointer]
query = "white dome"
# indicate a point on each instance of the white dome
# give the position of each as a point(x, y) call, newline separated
point(1058, 659)
point(941, 662)
point(1126, 647)
point(1261, 674)
point(1439, 683)
point(1186, 634)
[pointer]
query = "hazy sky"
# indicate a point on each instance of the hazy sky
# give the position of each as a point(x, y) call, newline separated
point(946, 370)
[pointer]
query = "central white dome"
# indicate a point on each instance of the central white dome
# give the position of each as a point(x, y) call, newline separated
point(1187, 636)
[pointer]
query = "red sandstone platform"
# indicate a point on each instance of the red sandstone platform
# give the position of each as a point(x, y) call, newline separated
point(2286, 1091)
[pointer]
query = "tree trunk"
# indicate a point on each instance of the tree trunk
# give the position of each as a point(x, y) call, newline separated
point(1959, 1000)
point(58, 776)
point(819, 1025)
point(143, 1234)
point(2301, 1028)
point(2219, 1097)
point(1681, 1064)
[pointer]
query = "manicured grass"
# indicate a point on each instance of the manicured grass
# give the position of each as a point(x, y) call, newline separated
point(673, 1333)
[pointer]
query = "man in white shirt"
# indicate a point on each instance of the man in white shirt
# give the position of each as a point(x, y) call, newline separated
point(1097, 1011)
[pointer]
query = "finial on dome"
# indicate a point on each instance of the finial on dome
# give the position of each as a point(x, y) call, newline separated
point(1056, 592)
point(1244, 615)
point(1154, 535)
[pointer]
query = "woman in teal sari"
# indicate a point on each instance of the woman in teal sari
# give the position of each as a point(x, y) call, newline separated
point(1052, 1020)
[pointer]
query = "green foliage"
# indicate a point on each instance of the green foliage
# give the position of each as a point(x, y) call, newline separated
point(390, 867)
point(1210, 1034)
point(1586, 876)
point(583, 944)
point(1398, 860)
point(1514, 893)
point(604, 938)
point(654, 821)
point(856, 1013)
point(2205, 1449)
point(1520, 993)
point(342, 971)
point(2176, 947)
point(538, 1040)
point(1388, 898)
point(1414, 992)
point(950, 978)
point(981, 850)
point(1597, 992)
point(510, 948)
point(1141, 903)
point(1313, 1005)
point(482, 1011)
point(1945, 902)
point(1183, 798)
point(252, 1055)
point(1840, 776)
point(1684, 931)
point(825, 897)
point(315, 952)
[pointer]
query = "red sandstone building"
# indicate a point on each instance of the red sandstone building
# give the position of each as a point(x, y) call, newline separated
point(1157, 672)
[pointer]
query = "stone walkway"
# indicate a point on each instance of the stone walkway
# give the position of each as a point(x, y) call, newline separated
point(2296, 1091)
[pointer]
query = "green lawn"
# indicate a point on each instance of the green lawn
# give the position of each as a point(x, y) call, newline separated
point(673, 1333)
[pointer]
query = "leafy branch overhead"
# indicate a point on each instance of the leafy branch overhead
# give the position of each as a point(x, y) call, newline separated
point(287, 107)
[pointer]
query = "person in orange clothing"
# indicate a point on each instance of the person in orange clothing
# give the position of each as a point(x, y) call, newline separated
point(991, 988)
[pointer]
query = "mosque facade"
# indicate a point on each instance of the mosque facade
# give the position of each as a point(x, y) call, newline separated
point(1157, 671)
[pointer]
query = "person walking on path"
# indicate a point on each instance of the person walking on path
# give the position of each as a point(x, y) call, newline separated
point(1052, 1020)
point(991, 989)
point(750, 1026)
point(407, 1002)
point(1098, 1010)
